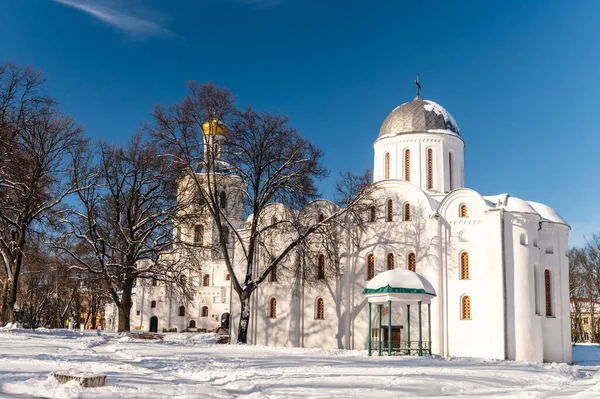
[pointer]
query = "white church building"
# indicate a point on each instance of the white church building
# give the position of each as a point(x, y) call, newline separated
point(473, 275)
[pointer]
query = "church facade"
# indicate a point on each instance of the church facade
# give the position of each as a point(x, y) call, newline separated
point(498, 264)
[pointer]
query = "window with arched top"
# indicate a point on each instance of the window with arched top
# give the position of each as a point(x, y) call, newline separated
point(389, 211)
point(464, 266)
point(412, 262)
point(274, 220)
point(321, 217)
point(223, 199)
point(183, 279)
point(390, 261)
point(182, 311)
point(370, 266)
point(319, 309)
point(450, 173)
point(430, 169)
point(204, 311)
point(372, 213)
point(226, 234)
point(272, 308)
point(465, 308)
point(153, 304)
point(387, 165)
point(273, 274)
point(548, 289)
point(407, 164)
point(206, 280)
point(536, 288)
point(192, 323)
point(406, 216)
point(321, 267)
point(462, 211)
point(227, 276)
point(154, 282)
point(198, 234)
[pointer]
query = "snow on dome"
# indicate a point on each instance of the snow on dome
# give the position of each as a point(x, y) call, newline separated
point(547, 213)
point(400, 281)
point(419, 116)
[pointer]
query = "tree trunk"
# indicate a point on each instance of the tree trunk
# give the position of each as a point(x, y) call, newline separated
point(244, 316)
point(4, 313)
point(125, 307)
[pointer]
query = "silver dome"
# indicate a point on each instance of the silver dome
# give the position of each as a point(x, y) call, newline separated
point(419, 116)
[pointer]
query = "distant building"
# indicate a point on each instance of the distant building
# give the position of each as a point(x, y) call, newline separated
point(584, 319)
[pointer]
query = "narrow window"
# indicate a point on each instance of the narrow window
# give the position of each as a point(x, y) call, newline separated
point(273, 308)
point(412, 262)
point(390, 211)
point(274, 220)
point(227, 276)
point(450, 172)
point(536, 288)
point(370, 266)
point(206, 280)
point(462, 211)
point(406, 211)
point(154, 282)
point(465, 313)
point(387, 165)
point(523, 239)
point(390, 261)
point(226, 234)
point(372, 213)
point(204, 311)
point(548, 292)
point(182, 311)
point(321, 217)
point(429, 169)
point(407, 164)
point(320, 309)
point(198, 234)
point(273, 274)
point(153, 304)
point(183, 279)
point(321, 267)
point(223, 200)
point(464, 266)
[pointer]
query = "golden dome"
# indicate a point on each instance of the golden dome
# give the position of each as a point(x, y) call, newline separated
point(214, 127)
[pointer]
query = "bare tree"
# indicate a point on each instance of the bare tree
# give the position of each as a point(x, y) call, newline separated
point(121, 228)
point(262, 161)
point(32, 179)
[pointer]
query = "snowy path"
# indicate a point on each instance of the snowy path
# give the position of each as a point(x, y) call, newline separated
point(187, 366)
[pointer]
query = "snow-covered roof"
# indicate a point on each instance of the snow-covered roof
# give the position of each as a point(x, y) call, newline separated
point(517, 205)
point(399, 283)
point(419, 116)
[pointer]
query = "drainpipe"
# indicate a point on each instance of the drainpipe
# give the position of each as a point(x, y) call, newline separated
point(504, 313)
point(444, 288)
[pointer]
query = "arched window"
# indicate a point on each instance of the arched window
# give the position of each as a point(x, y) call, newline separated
point(372, 213)
point(387, 165)
point(321, 267)
point(464, 266)
point(430, 169)
point(183, 279)
point(182, 311)
point(154, 282)
point(227, 276)
point(462, 211)
point(206, 280)
point(390, 261)
point(223, 199)
point(412, 262)
point(390, 211)
point(548, 285)
point(451, 178)
point(273, 274)
point(193, 323)
point(273, 308)
point(465, 305)
point(204, 311)
point(407, 211)
point(407, 164)
point(319, 309)
point(198, 234)
point(274, 220)
point(536, 288)
point(321, 217)
point(153, 304)
point(370, 266)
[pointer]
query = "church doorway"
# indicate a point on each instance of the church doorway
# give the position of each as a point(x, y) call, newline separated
point(154, 324)
point(396, 337)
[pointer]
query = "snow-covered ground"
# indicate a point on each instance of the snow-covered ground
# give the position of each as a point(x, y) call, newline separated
point(192, 366)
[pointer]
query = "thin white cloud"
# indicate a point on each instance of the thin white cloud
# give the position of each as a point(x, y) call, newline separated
point(134, 26)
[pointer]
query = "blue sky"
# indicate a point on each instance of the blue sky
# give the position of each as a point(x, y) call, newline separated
point(521, 78)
